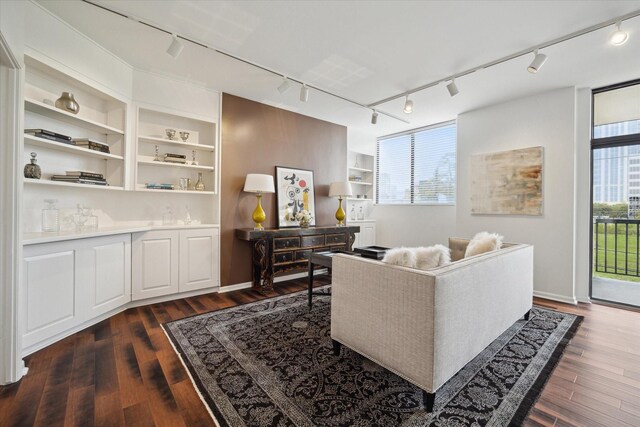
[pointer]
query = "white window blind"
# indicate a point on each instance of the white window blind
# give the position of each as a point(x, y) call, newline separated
point(417, 167)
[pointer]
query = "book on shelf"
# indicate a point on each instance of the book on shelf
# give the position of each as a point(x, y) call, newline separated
point(78, 180)
point(52, 138)
point(85, 174)
point(48, 133)
point(92, 145)
point(177, 161)
point(154, 186)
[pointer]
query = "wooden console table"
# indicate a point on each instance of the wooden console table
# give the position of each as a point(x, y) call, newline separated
point(275, 250)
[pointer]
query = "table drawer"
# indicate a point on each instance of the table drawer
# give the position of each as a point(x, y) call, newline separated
point(335, 239)
point(281, 257)
point(286, 243)
point(303, 255)
point(308, 241)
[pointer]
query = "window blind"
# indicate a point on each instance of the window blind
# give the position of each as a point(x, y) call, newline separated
point(417, 167)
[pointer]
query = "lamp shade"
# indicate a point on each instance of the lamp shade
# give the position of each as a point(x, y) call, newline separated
point(259, 183)
point(340, 189)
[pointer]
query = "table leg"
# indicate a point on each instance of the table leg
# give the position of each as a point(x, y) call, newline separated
point(310, 290)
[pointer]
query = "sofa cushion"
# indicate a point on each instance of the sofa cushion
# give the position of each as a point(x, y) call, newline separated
point(483, 242)
point(422, 258)
point(457, 246)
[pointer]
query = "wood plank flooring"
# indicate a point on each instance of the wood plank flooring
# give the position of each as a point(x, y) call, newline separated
point(124, 372)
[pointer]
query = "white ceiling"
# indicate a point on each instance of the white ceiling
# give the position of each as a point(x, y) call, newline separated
point(367, 50)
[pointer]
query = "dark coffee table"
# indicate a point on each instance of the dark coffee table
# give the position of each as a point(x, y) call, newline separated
point(323, 259)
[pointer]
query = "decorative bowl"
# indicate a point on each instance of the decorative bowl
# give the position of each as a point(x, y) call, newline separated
point(171, 133)
point(184, 136)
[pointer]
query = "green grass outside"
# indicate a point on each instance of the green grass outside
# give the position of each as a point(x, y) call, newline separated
point(627, 245)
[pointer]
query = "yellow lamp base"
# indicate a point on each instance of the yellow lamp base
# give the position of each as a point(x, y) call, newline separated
point(258, 214)
point(340, 214)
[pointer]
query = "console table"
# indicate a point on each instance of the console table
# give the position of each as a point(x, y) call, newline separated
point(276, 250)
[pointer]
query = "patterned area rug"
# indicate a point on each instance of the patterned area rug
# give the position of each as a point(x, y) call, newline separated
point(270, 363)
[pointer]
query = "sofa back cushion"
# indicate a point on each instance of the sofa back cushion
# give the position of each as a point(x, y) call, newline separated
point(458, 247)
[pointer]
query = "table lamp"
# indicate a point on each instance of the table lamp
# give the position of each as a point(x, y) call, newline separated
point(340, 189)
point(259, 183)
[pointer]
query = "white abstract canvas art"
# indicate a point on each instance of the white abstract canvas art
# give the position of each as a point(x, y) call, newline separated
point(507, 182)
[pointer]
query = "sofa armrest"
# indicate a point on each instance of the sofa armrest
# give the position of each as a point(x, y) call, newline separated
point(385, 313)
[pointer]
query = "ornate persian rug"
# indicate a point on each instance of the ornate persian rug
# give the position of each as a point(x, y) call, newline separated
point(270, 363)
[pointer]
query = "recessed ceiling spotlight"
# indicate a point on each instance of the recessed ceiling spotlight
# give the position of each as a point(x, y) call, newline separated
point(618, 37)
point(452, 88)
point(284, 86)
point(304, 93)
point(175, 47)
point(374, 117)
point(538, 61)
point(408, 106)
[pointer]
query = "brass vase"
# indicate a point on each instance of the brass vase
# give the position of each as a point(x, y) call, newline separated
point(68, 103)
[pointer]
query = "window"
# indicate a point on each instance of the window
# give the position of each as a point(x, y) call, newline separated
point(417, 167)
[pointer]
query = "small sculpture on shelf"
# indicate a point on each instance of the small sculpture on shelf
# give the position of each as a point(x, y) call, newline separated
point(193, 158)
point(32, 170)
point(68, 103)
point(157, 157)
point(184, 136)
point(171, 133)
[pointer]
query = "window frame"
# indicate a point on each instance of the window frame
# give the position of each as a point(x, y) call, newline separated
point(412, 132)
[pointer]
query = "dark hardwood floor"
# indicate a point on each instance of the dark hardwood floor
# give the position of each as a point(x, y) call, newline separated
point(123, 371)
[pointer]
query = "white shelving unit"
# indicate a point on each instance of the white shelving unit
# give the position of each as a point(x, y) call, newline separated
point(102, 117)
point(360, 175)
point(201, 142)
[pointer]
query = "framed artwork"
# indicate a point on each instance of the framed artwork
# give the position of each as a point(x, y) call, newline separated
point(294, 193)
point(507, 182)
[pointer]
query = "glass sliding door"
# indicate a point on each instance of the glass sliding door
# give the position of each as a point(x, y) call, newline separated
point(615, 189)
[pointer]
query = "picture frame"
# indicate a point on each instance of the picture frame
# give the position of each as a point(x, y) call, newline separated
point(295, 191)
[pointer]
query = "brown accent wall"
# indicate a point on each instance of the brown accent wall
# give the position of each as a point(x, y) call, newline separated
point(255, 139)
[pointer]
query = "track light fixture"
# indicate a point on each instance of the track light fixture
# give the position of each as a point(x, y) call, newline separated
point(284, 86)
point(452, 88)
point(538, 61)
point(618, 37)
point(175, 47)
point(408, 105)
point(374, 117)
point(304, 93)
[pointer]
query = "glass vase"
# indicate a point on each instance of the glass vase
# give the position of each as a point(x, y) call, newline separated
point(199, 185)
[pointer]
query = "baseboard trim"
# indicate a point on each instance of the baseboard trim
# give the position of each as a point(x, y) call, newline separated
point(556, 297)
point(245, 285)
point(585, 300)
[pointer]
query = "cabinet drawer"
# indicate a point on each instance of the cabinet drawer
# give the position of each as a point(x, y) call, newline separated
point(286, 243)
point(282, 257)
point(303, 255)
point(334, 239)
point(309, 241)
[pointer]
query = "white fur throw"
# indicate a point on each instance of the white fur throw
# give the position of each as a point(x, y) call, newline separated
point(483, 242)
point(422, 258)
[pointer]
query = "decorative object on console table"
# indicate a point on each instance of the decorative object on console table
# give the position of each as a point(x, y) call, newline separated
point(259, 183)
point(294, 193)
point(32, 169)
point(285, 249)
point(68, 103)
point(340, 189)
point(304, 218)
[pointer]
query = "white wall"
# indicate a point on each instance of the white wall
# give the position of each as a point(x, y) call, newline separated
point(547, 120)
point(12, 26)
point(414, 225)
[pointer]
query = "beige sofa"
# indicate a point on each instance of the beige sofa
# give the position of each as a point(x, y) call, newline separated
point(426, 325)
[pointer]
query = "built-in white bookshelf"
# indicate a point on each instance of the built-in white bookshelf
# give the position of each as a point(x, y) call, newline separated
point(360, 175)
point(101, 118)
point(153, 142)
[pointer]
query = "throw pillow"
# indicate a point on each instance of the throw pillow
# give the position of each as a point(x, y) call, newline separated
point(432, 256)
point(400, 256)
point(483, 242)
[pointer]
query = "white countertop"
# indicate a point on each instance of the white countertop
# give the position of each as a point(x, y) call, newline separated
point(41, 237)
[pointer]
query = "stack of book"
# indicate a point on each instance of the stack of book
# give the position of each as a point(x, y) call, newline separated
point(153, 186)
point(91, 144)
point(175, 158)
point(81, 177)
point(51, 136)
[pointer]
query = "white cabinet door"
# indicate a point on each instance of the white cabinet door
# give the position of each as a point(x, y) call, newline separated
point(50, 291)
point(198, 259)
point(105, 273)
point(154, 264)
point(368, 234)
